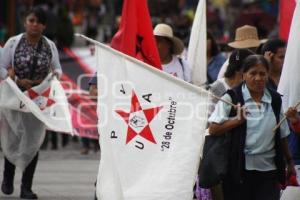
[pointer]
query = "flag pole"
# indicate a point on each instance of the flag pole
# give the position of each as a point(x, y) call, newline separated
point(152, 68)
point(284, 118)
point(88, 39)
point(220, 99)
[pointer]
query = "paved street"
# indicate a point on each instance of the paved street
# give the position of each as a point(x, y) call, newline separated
point(63, 174)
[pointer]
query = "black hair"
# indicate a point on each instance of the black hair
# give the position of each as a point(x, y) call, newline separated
point(272, 45)
point(214, 46)
point(236, 61)
point(40, 14)
point(253, 60)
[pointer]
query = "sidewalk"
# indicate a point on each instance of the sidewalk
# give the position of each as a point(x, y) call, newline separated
point(63, 174)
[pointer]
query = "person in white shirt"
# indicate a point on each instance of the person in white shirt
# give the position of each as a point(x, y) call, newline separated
point(169, 47)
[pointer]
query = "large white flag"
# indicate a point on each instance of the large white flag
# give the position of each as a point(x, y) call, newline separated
point(151, 128)
point(289, 84)
point(197, 46)
point(47, 102)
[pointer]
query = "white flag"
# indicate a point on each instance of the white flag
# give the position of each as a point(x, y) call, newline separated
point(46, 101)
point(290, 193)
point(197, 46)
point(151, 127)
point(289, 83)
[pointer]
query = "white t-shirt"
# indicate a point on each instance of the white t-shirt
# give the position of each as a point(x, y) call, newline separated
point(179, 70)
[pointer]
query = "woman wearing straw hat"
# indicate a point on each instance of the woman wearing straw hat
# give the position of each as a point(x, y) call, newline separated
point(246, 37)
point(169, 47)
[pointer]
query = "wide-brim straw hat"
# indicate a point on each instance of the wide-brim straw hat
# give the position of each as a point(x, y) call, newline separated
point(245, 37)
point(164, 30)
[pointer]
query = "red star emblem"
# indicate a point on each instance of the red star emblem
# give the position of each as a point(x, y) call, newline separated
point(138, 120)
point(42, 99)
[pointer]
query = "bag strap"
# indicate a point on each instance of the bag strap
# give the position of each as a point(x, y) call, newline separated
point(276, 105)
point(181, 63)
point(182, 67)
point(234, 99)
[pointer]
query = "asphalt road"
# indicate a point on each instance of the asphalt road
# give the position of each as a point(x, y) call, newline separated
point(62, 174)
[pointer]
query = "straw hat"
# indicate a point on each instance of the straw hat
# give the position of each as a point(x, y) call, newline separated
point(164, 30)
point(245, 37)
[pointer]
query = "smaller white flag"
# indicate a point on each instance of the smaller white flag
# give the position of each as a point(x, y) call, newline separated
point(197, 46)
point(47, 101)
point(289, 83)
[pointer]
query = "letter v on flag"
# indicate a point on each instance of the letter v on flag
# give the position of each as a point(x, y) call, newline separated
point(135, 36)
point(152, 127)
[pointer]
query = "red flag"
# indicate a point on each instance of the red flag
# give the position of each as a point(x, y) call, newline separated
point(287, 8)
point(135, 35)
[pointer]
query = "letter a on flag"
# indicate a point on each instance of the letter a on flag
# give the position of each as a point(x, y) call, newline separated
point(135, 35)
point(151, 127)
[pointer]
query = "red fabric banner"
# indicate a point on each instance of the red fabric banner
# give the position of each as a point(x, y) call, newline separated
point(287, 8)
point(135, 35)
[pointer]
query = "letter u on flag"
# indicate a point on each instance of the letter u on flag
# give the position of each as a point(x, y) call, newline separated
point(151, 126)
point(135, 35)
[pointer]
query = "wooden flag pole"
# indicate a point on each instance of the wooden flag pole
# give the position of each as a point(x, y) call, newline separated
point(284, 118)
